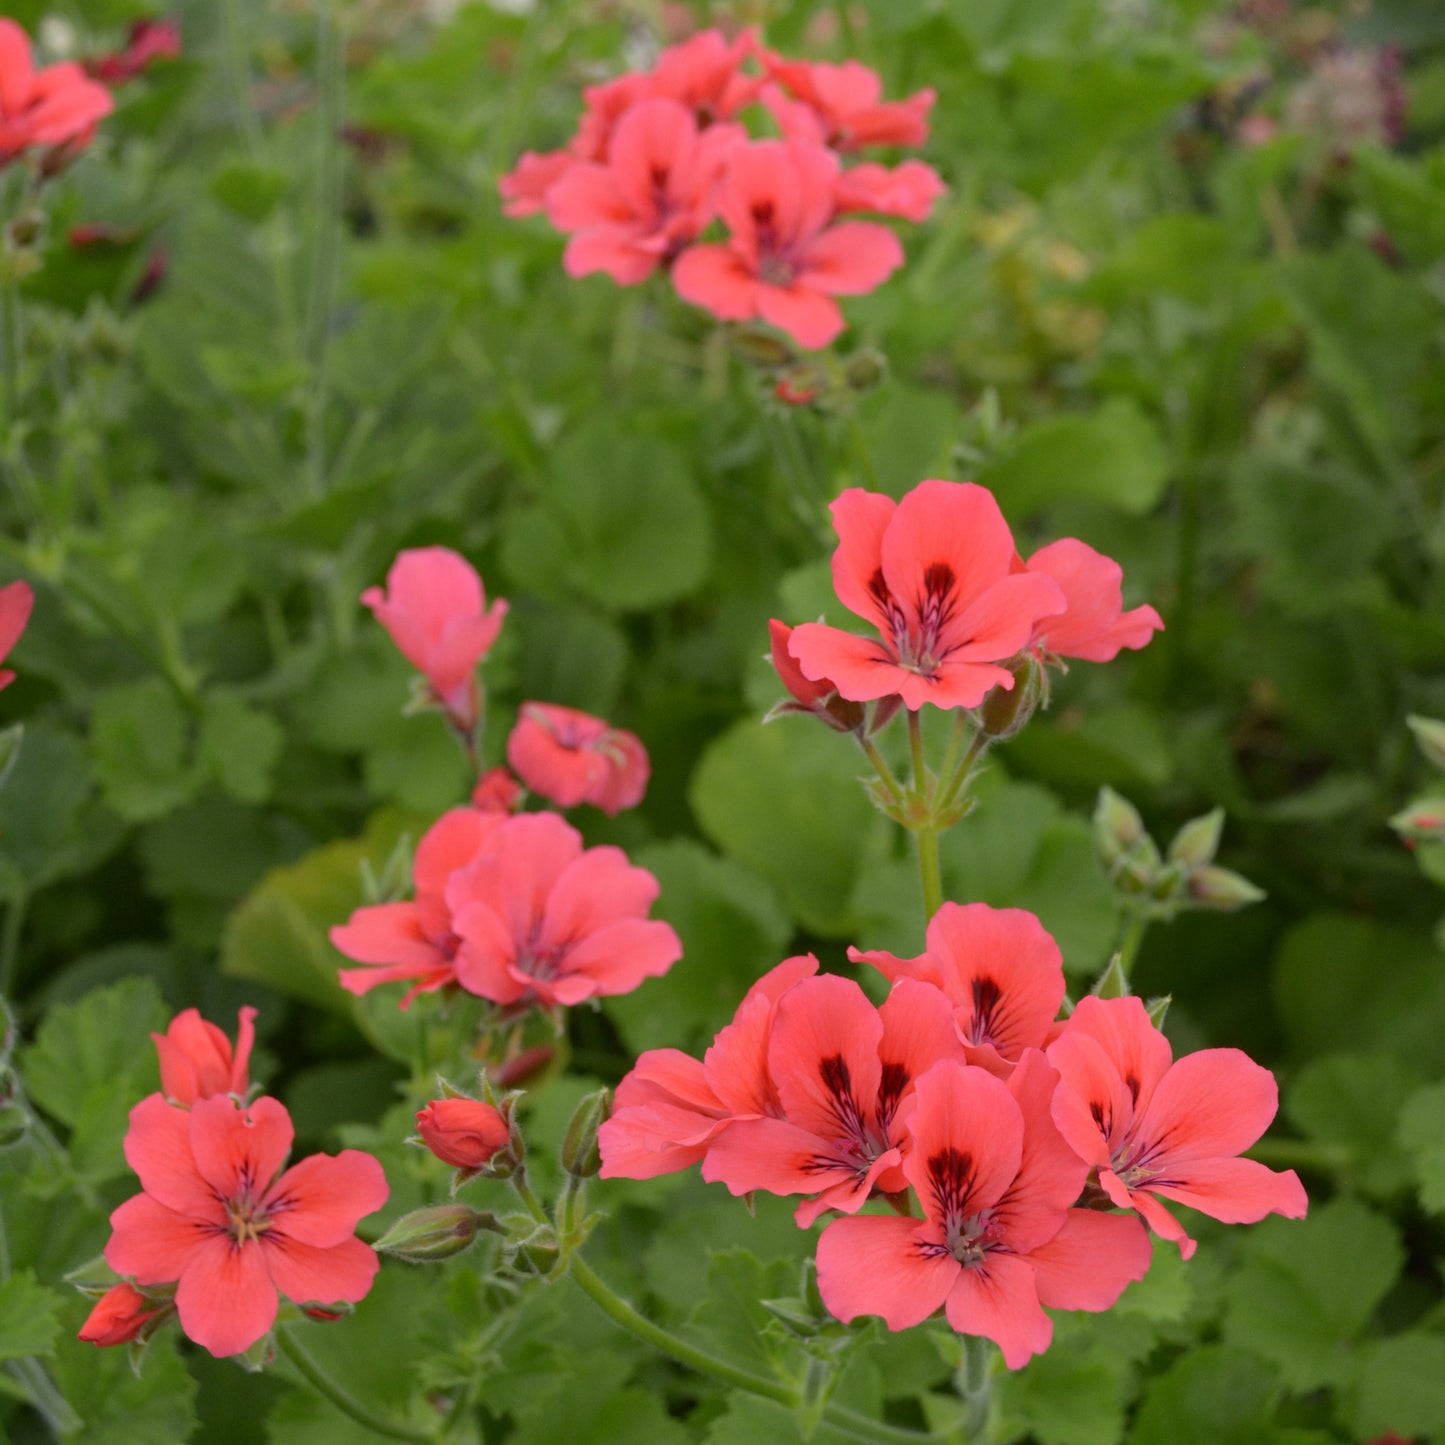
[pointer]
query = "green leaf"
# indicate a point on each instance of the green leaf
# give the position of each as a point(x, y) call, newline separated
point(732, 930)
point(1211, 1396)
point(1307, 1288)
point(1422, 1133)
point(140, 749)
point(568, 656)
point(1067, 1396)
point(121, 1408)
point(1354, 1100)
point(29, 1317)
point(239, 744)
point(248, 188)
point(786, 802)
point(1401, 1388)
point(1333, 994)
point(621, 522)
point(97, 1046)
point(10, 740)
point(732, 1318)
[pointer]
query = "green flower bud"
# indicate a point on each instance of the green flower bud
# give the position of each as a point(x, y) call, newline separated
point(1430, 736)
point(437, 1232)
point(1117, 827)
point(1196, 843)
point(1222, 890)
point(581, 1157)
point(1005, 712)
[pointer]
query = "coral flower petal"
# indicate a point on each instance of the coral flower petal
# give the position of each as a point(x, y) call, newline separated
point(999, 1300)
point(873, 1265)
point(599, 888)
point(860, 668)
point(717, 279)
point(152, 1243)
point(308, 1274)
point(1216, 1101)
point(809, 317)
point(852, 258)
point(319, 1200)
point(235, 1149)
point(225, 1296)
point(1088, 1264)
point(158, 1148)
point(1235, 1191)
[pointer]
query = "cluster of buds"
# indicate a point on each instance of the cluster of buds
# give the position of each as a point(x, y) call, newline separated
point(1161, 885)
point(827, 384)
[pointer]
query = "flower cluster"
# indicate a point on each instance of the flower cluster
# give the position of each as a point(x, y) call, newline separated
point(54, 109)
point(958, 612)
point(221, 1228)
point(658, 157)
point(1015, 1130)
point(507, 906)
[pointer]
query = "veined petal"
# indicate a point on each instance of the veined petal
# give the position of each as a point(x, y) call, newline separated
point(308, 1274)
point(861, 668)
point(389, 933)
point(618, 956)
point(1000, 621)
point(152, 1243)
point(808, 316)
point(1090, 1261)
point(596, 889)
point(717, 279)
point(918, 1031)
point(1051, 1176)
point(873, 1265)
point(225, 1297)
point(319, 1200)
point(999, 1300)
point(851, 258)
point(1211, 1103)
point(158, 1148)
point(239, 1151)
point(1091, 1108)
point(861, 518)
point(1235, 1191)
point(773, 1155)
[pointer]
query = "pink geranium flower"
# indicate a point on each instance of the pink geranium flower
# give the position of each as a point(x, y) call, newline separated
point(1158, 1129)
point(841, 106)
point(1095, 626)
point(705, 73)
point(999, 968)
point(197, 1059)
point(55, 106)
point(543, 921)
point(415, 940)
point(785, 260)
point(572, 757)
point(908, 191)
point(652, 196)
point(844, 1073)
point(524, 188)
point(17, 600)
point(219, 1219)
point(670, 1106)
point(932, 573)
point(436, 611)
point(999, 1239)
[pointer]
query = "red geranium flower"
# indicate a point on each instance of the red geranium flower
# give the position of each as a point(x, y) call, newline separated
point(435, 609)
point(572, 757)
point(543, 921)
point(785, 260)
point(1095, 626)
point(218, 1219)
point(999, 1238)
point(907, 191)
point(197, 1059)
point(58, 105)
point(932, 573)
point(1158, 1129)
point(464, 1133)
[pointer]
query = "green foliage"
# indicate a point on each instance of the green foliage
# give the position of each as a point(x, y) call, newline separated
point(29, 1317)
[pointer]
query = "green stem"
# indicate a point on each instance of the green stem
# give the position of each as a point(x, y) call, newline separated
point(324, 1385)
point(10, 339)
point(926, 834)
point(862, 452)
point(880, 766)
point(975, 1383)
point(1133, 936)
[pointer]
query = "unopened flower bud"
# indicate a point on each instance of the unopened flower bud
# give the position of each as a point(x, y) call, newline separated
point(864, 370)
point(759, 348)
point(120, 1315)
point(1422, 822)
point(1196, 843)
point(1222, 890)
point(464, 1133)
point(1117, 826)
point(437, 1232)
point(1006, 711)
point(581, 1157)
point(1430, 737)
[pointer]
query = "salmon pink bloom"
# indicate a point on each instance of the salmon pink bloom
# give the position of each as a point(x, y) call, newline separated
point(524, 188)
point(464, 1133)
point(999, 1239)
point(908, 191)
point(415, 940)
point(56, 106)
point(652, 196)
point(840, 106)
point(197, 1059)
point(119, 1316)
point(604, 107)
point(1158, 1129)
point(818, 699)
point(670, 1106)
point(844, 1072)
point(543, 921)
point(572, 757)
point(17, 600)
point(785, 261)
point(705, 74)
point(1000, 969)
point(932, 573)
point(436, 611)
point(219, 1219)
point(1095, 626)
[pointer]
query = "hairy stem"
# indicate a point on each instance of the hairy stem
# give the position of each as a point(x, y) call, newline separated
point(324, 1385)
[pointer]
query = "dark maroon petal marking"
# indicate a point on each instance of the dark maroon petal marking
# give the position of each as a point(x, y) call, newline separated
point(951, 1175)
point(891, 1084)
point(987, 996)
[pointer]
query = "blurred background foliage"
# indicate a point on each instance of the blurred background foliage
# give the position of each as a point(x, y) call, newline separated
point(1183, 300)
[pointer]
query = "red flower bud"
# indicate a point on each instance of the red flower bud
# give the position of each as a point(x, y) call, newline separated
point(120, 1314)
point(464, 1133)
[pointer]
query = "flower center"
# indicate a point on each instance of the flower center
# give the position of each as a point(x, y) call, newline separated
point(245, 1219)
